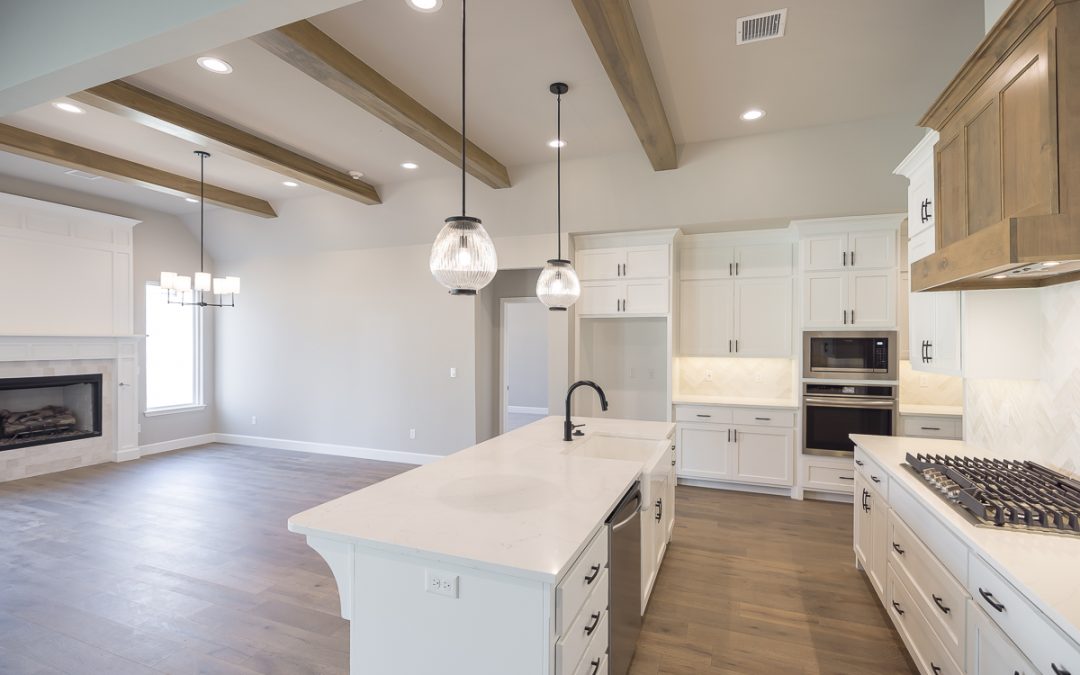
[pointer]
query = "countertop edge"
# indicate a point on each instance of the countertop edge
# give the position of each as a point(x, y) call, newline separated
point(736, 403)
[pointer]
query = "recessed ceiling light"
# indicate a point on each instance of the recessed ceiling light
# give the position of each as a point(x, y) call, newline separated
point(214, 65)
point(753, 114)
point(68, 107)
point(191, 199)
point(556, 143)
point(289, 183)
point(410, 165)
point(425, 5)
point(356, 175)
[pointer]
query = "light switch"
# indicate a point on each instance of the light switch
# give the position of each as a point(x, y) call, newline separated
point(453, 372)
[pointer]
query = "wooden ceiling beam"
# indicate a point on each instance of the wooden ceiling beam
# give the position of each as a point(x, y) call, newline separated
point(35, 146)
point(611, 28)
point(160, 113)
point(314, 53)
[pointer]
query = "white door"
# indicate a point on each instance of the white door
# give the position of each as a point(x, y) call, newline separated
point(872, 250)
point(646, 297)
point(824, 252)
point(920, 328)
point(705, 451)
point(863, 542)
point(127, 405)
point(600, 263)
point(945, 343)
point(921, 199)
point(706, 316)
point(706, 261)
point(764, 260)
point(824, 299)
point(601, 298)
point(872, 299)
point(764, 456)
point(647, 262)
point(523, 362)
point(763, 311)
point(879, 536)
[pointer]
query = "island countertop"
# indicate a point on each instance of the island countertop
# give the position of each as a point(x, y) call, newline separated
point(514, 504)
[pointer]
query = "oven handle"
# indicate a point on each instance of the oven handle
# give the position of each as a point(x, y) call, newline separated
point(850, 403)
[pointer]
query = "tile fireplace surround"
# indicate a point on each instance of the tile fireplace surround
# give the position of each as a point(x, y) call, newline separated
point(114, 358)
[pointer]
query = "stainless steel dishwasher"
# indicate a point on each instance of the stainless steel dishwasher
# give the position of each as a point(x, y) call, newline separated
point(624, 578)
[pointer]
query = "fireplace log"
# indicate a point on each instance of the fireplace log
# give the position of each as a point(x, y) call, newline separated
point(48, 418)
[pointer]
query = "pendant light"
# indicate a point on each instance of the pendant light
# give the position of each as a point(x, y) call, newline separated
point(180, 289)
point(558, 286)
point(463, 256)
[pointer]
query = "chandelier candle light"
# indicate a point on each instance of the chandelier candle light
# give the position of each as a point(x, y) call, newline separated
point(463, 256)
point(205, 291)
point(558, 286)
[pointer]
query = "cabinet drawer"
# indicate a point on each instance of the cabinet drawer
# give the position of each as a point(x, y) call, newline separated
point(950, 551)
point(702, 413)
point(942, 598)
point(828, 477)
point(580, 581)
point(990, 652)
point(871, 470)
point(1036, 636)
point(594, 661)
point(571, 646)
point(932, 426)
point(926, 650)
point(765, 417)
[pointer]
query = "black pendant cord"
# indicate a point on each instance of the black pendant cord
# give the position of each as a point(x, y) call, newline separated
point(558, 174)
point(202, 211)
point(463, 137)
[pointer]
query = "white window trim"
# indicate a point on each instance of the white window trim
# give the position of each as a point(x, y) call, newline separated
point(200, 339)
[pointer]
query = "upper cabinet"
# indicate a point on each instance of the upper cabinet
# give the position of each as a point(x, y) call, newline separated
point(1006, 168)
point(705, 259)
point(629, 262)
point(872, 249)
point(625, 281)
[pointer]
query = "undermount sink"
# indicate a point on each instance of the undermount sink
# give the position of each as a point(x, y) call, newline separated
point(603, 446)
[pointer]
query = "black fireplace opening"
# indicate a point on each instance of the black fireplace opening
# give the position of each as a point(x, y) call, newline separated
point(53, 409)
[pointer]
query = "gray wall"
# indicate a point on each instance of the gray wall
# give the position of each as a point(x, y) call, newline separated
point(527, 354)
point(162, 242)
point(994, 9)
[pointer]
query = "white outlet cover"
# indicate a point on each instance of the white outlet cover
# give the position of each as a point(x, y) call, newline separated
point(453, 372)
point(441, 583)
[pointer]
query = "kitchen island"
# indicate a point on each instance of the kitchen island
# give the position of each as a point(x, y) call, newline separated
point(494, 559)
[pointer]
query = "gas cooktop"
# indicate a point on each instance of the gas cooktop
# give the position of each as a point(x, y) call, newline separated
point(1003, 493)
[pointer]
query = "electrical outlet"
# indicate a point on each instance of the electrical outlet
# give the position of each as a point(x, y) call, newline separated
point(441, 583)
point(412, 434)
point(254, 420)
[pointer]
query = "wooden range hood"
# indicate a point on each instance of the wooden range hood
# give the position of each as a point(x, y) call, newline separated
point(1007, 165)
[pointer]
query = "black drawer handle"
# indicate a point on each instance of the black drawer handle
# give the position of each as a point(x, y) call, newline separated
point(589, 578)
point(595, 663)
point(875, 479)
point(704, 415)
point(896, 606)
point(763, 419)
point(659, 509)
point(1059, 671)
point(595, 622)
point(934, 667)
point(896, 547)
point(930, 428)
point(940, 603)
point(859, 462)
point(846, 477)
point(991, 600)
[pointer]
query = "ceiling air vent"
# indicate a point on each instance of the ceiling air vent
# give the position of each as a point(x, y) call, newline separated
point(82, 174)
point(760, 27)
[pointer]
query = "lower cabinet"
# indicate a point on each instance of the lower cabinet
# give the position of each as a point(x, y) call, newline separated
point(871, 532)
point(990, 652)
point(657, 521)
point(745, 446)
point(932, 426)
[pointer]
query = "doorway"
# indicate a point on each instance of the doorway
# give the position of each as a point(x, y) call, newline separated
point(523, 362)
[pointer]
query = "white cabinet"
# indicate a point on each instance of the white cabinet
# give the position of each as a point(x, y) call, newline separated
point(630, 262)
point(824, 252)
point(934, 327)
point(646, 296)
point(862, 249)
point(704, 257)
point(747, 446)
point(824, 299)
point(657, 520)
point(990, 652)
point(706, 317)
point(599, 298)
point(932, 426)
point(851, 299)
point(871, 532)
point(763, 456)
point(705, 451)
point(627, 297)
point(743, 317)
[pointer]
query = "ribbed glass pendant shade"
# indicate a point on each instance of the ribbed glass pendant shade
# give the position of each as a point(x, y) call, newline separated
point(463, 256)
point(558, 286)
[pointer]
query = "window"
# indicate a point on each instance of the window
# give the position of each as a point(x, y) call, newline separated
point(173, 354)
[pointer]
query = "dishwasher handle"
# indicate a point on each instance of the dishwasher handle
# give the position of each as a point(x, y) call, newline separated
point(617, 521)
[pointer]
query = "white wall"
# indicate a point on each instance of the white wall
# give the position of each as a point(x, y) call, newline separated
point(526, 342)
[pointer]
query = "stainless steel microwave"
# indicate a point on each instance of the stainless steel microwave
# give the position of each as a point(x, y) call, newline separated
point(850, 355)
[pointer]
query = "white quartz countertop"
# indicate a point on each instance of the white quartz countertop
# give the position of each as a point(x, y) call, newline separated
point(514, 504)
point(931, 410)
point(1041, 566)
point(686, 399)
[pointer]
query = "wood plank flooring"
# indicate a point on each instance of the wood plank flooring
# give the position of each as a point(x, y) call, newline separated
point(181, 563)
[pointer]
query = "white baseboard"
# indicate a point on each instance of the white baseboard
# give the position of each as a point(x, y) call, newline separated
point(175, 444)
point(526, 410)
point(128, 455)
point(329, 449)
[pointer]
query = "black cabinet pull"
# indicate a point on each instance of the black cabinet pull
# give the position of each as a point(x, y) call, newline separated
point(736, 269)
point(595, 663)
point(991, 600)
point(896, 547)
point(896, 606)
point(845, 317)
point(589, 578)
point(736, 346)
point(941, 605)
point(595, 622)
point(1059, 671)
point(763, 419)
point(845, 259)
point(853, 260)
point(929, 352)
point(659, 509)
point(735, 435)
point(875, 479)
point(729, 435)
point(730, 273)
point(934, 667)
point(859, 462)
point(930, 428)
point(853, 311)
point(700, 415)
point(729, 346)
point(846, 477)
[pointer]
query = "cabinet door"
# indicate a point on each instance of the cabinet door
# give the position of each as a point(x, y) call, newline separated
point(669, 502)
point(945, 342)
point(127, 405)
point(991, 652)
point(706, 316)
point(950, 185)
point(824, 299)
point(872, 299)
point(921, 245)
point(656, 518)
point(705, 451)
point(863, 530)
point(764, 456)
point(920, 328)
point(879, 540)
point(646, 297)
point(763, 260)
point(600, 263)
point(921, 200)
point(706, 261)
point(763, 323)
point(872, 250)
point(824, 252)
point(601, 298)
point(647, 262)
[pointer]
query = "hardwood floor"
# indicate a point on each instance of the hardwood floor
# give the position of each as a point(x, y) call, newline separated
point(181, 563)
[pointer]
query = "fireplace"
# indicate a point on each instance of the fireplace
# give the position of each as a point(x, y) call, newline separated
point(43, 410)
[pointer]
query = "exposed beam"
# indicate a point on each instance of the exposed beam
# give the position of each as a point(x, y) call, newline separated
point(28, 144)
point(614, 34)
point(313, 52)
point(160, 113)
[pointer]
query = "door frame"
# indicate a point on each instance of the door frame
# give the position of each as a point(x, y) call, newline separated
point(504, 356)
